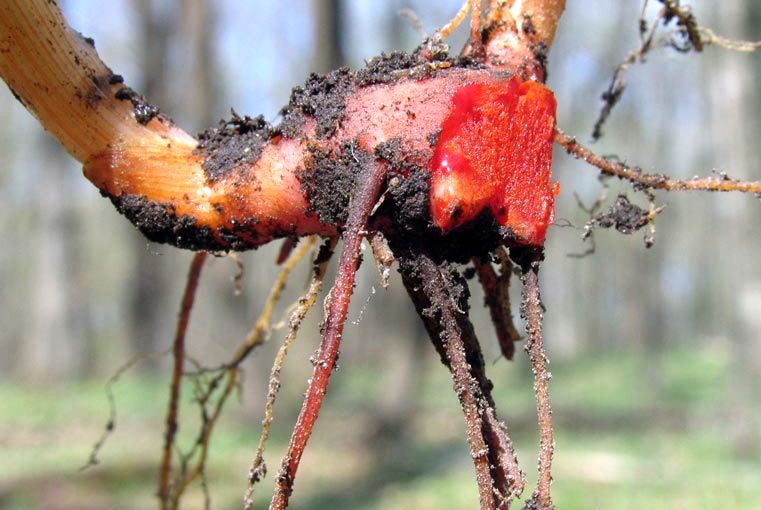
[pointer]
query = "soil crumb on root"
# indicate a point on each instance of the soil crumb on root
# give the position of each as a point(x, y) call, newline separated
point(433, 138)
point(144, 111)
point(88, 40)
point(328, 181)
point(626, 217)
point(386, 68)
point(323, 98)
point(233, 143)
point(160, 224)
point(17, 97)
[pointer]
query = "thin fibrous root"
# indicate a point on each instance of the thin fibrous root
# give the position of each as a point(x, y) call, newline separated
point(687, 36)
point(92, 459)
point(258, 468)
point(260, 332)
point(178, 351)
point(636, 176)
point(455, 22)
point(384, 257)
point(708, 36)
point(532, 312)
point(361, 205)
point(193, 462)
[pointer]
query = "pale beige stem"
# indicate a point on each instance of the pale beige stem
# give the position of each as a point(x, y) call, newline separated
point(148, 167)
point(57, 74)
point(544, 16)
point(518, 34)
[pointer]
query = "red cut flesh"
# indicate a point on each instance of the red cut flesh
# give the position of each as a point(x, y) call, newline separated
point(495, 151)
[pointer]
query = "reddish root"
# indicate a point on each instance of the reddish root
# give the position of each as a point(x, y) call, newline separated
point(369, 186)
point(178, 351)
point(497, 300)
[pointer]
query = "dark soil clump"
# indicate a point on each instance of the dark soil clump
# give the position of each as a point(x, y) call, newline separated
point(233, 143)
point(322, 97)
point(160, 224)
point(329, 181)
point(408, 198)
point(626, 217)
point(386, 68)
point(408, 186)
point(478, 238)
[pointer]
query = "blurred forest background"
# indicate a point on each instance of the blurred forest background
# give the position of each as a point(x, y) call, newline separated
point(655, 353)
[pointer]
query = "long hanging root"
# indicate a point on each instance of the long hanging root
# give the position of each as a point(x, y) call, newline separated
point(179, 361)
point(508, 479)
point(258, 468)
point(360, 208)
point(224, 380)
point(532, 312)
point(440, 298)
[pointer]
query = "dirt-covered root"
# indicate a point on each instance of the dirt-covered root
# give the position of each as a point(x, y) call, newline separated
point(532, 312)
point(440, 296)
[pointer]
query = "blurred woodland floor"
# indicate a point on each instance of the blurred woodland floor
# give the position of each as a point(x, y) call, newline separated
point(621, 443)
point(655, 353)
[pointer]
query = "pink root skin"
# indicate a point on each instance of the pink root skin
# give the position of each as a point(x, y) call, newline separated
point(410, 109)
point(264, 201)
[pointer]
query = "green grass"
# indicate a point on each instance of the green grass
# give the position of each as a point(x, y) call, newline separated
point(625, 439)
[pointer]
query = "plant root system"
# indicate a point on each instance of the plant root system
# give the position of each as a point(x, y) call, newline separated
point(178, 349)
